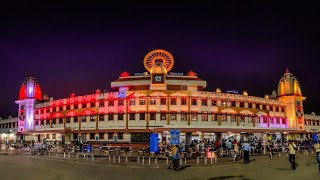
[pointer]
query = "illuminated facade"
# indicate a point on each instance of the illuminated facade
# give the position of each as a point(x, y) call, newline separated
point(8, 129)
point(157, 101)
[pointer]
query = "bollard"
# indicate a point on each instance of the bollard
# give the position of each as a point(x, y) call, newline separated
point(119, 159)
point(49, 153)
point(234, 158)
point(114, 158)
point(180, 161)
point(156, 160)
point(197, 160)
point(138, 158)
point(167, 160)
point(126, 159)
point(64, 155)
point(143, 160)
point(185, 160)
point(211, 160)
point(279, 154)
point(205, 160)
point(270, 155)
point(68, 155)
point(92, 157)
point(56, 151)
point(215, 159)
point(109, 158)
point(77, 155)
point(149, 160)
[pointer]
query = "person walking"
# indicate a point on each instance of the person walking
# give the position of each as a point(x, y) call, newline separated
point(175, 158)
point(246, 151)
point(317, 148)
point(292, 154)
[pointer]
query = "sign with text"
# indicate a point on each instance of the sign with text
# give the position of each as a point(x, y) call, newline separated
point(175, 136)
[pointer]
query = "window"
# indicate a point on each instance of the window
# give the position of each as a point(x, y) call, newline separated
point(214, 117)
point(250, 105)
point(142, 102)
point(183, 101)
point(194, 117)
point(204, 117)
point(120, 102)
point(132, 102)
point(120, 117)
point(232, 103)
point(92, 104)
point(110, 103)
point(60, 121)
point(101, 117)
point(84, 119)
point(35, 122)
point(101, 103)
point(110, 117)
point(92, 118)
point(163, 117)
point(75, 119)
point(110, 135)
point(264, 107)
point(183, 117)
point(284, 121)
point(91, 135)
point(264, 120)
point(84, 105)
point(163, 101)
point(282, 109)
point(204, 102)
point(224, 103)
point(101, 135)
point(277, 109)
point(233, 118)
point(68, 120)
point(152, 101)
point(75, 106)
point(173, 101)
point(193, 102)
point(249, 119)
point(213, 102)
point(53, 121)
point(120, 135)
point(257, 119)
point(223, 118)
point(132, 116)
point(241, 104)
point(68, 107)
point(142, 117)
point(42, 111)
point(152, 116)
point(278, 120)
point(271, 120)
point(242, 119)
point(61, 108)
point(173, 117)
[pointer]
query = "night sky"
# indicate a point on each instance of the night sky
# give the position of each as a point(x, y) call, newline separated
point(83, 47)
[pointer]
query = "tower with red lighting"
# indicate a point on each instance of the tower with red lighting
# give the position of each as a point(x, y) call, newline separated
point(30, 93)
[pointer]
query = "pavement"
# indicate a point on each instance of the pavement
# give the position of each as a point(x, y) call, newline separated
point(57, 167)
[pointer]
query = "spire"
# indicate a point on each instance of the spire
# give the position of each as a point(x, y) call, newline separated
point(287, 70)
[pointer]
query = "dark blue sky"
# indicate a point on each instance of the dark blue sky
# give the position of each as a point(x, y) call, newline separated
point(83, 47)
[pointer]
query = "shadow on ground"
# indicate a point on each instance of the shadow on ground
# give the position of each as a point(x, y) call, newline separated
point(228, 177)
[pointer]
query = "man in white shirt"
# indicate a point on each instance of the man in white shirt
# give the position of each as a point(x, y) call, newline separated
point(292, 154)
point(317, 147)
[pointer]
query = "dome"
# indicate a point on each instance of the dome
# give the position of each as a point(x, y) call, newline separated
point(245, 93)
point(218, 90)
point(30, 89)
point(158, 68)
point(289, 85)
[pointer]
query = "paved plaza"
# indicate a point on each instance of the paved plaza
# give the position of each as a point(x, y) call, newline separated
point(261, 167)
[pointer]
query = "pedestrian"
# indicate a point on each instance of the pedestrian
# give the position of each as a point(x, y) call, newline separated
point(246, 151)
point(175, 158)
point(292, 154)
point(317, 147)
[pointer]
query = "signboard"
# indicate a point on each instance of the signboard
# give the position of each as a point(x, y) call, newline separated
point(154, 143)
point(175, 136)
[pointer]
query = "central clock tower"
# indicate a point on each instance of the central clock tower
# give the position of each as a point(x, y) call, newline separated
point(158, 63)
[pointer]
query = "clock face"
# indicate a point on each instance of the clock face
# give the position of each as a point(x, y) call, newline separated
point(158, 78)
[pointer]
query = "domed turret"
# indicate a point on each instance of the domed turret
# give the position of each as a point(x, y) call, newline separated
point(289, 85)
point(30, 89)
point(158, 68)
